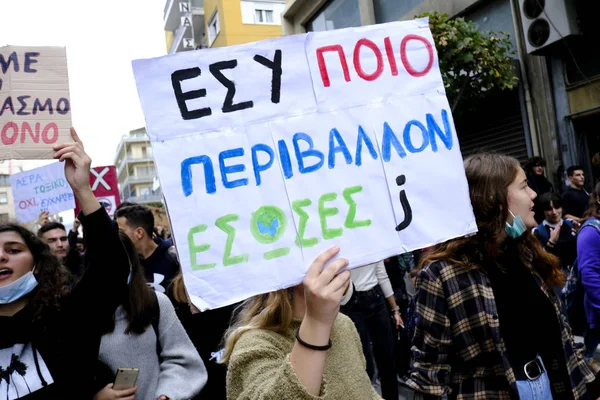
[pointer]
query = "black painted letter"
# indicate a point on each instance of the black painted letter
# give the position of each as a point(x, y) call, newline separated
point(274, 65)
point(228, 105)
point(401, 180)
point(176, 78)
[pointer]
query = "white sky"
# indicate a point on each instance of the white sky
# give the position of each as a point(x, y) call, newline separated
point(102, 38)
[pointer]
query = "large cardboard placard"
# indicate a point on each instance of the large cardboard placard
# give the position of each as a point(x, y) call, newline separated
point(271, 152)
point(35, 108)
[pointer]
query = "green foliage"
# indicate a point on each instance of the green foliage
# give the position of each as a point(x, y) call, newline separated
point(472, 62)
point(156, 204)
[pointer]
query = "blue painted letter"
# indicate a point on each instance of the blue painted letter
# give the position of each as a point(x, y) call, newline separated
point(186, 174)
point(300, 155)
point(30, 60)
point(238, 152)
point(255, 165)
point(408, 140)
point(389, 138)
point(340, 148)
point(284, 158)
point(434, 128)
point(363, 137)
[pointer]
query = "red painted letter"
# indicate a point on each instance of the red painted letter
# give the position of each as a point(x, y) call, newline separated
point(47, 128)
point(323, 67)
point(389, 51)
point(9, 140)
point(25, 127)
point(404, 57)
point(358, 67)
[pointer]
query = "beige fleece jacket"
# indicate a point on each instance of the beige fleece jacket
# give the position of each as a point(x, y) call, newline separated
point(260, 367)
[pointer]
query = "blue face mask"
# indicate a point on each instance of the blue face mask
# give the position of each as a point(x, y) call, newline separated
point(518, 227)
point(19, 288)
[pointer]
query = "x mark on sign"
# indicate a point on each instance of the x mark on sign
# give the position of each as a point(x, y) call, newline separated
point(99, 179)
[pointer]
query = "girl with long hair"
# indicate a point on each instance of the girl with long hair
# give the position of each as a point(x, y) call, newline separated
point(294, 344)
point(489, 323)
point(50, 330)
point(146, 334)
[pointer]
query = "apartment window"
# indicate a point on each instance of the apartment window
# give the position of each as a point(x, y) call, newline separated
point(3, 198)
point(213, 27)
point(145, 191)
point(335, 14)
point(263, 16)
point(4, 218)
point(145, 171)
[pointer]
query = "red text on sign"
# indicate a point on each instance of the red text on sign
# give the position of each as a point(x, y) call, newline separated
point(10, 133)
point(364, 45)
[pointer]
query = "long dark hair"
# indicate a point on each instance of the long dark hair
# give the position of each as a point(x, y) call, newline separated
point(138, 300)
point(593, 206)
point(54, 280)
point(489, 176)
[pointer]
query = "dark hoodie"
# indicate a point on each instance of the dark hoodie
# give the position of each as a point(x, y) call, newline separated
point(161, 267)
point(55, 357)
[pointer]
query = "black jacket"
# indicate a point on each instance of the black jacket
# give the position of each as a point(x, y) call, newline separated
point(55, 357)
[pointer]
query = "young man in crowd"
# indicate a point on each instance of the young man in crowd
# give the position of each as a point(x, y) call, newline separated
point(54, 234)
point(575, 199)
point(156, 255)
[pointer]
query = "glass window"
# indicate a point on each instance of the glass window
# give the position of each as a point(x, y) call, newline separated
point(213, 27)
point(145, 191)
point(145, 171)
point(393, 10)
point(263, 16)
point(3, 198)
point(335, 14)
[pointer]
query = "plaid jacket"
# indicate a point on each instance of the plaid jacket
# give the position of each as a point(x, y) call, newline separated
point(457, 347)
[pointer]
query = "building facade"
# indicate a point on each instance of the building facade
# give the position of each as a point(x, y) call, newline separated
point(555, 108)
point(7, 201)
point(195, 24)
point(135, 169)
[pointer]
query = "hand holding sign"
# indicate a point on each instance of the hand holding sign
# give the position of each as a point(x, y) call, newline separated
point(77, 172)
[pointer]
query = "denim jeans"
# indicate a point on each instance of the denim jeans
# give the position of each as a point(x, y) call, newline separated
point(591, 344)
point(538, 389)
point(369, 313)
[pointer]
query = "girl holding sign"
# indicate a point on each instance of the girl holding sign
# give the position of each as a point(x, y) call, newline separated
point(488, 321)
point(49, 333)
point(294, 343)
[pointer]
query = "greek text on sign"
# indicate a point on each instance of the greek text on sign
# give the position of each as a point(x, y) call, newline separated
point(271, 152)
point(41, 189)
point(35, 111)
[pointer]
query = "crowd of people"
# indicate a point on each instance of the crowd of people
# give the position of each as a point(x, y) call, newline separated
point(486, 316)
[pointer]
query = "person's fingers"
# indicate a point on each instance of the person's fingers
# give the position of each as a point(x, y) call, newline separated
point(332, 270)
point(74, 157)
point(317, 265)
point(339, 282)
point(66, 149)
point(75, 136)
point(132, 397)
point(126, 392)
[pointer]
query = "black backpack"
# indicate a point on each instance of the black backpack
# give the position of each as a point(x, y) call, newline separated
point(574, 291)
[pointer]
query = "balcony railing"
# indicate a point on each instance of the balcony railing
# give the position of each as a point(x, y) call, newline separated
point(151, 198)
point(132, 159)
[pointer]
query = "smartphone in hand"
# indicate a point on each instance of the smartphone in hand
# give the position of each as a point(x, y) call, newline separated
point(126, 378)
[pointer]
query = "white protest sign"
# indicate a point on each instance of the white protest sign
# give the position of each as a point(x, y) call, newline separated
point(41, 189)
point(271, 152)
point(35, 110)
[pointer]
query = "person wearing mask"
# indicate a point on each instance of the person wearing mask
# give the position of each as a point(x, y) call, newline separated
point(588, 262)
point(146, 334)
point(575, 198)
point(368, 311)
point(557, 235)
point(293, 344)
point(534, 168)
point(489, 323)
point(50, 336)
point(158, 257)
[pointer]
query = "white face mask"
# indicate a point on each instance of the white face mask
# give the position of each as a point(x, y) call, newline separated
point(19, 288)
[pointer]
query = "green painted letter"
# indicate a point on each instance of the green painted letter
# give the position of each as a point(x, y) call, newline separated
point(324, 212)
point(198, 248)
point(223, 224)
point(350, 223)
point(301, 240)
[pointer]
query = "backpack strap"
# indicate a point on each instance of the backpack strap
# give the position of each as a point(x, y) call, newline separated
point(542, 232)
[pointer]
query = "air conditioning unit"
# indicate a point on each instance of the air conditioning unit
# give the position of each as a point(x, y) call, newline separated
point(546, 22)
